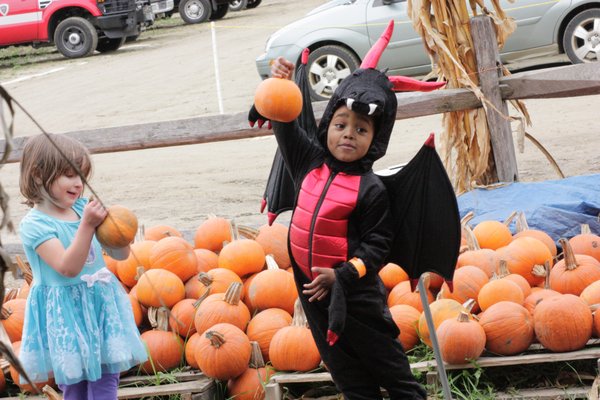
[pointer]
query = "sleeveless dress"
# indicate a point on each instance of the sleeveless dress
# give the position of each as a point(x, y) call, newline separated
point(77, 328)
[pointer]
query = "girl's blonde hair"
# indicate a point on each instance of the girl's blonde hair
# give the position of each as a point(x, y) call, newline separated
point(42, 164)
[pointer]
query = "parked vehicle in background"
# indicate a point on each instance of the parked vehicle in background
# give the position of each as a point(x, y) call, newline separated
point(238, 5)
point(196, 11)
point(340, 32)
point(76, 27)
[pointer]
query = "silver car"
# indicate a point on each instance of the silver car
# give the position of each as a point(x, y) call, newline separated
point(340, 32)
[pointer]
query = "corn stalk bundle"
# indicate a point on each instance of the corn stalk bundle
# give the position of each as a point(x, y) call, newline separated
point(444, 27)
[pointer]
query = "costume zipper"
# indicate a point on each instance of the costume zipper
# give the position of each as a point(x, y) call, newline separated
point(314, 220)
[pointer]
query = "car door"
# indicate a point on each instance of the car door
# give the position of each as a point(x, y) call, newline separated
point(405, 53)
point(19, 20)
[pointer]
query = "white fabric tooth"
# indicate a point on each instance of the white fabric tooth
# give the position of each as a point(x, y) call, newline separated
point(372, 108)
point(349, 103)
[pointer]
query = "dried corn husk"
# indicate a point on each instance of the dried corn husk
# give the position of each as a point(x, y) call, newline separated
point(444, 27)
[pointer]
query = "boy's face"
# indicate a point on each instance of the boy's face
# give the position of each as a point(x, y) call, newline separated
point(349, 135)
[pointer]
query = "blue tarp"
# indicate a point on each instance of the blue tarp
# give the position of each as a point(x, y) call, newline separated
point(557, 207)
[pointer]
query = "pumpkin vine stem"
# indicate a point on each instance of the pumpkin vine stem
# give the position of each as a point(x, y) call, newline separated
point(217, 339)
point(570, 260)
point(233, 294)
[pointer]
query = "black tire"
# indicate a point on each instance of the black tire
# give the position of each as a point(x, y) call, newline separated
point(106, 45)
point(253, 3)
point(581, 40)
point(237, 5)
point(195, 11)
point(220, 12)
point(133, 38)
point(75, 37)
point(327, 67)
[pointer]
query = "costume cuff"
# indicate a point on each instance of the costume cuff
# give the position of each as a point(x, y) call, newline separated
point(346, 274)
point(359, 265)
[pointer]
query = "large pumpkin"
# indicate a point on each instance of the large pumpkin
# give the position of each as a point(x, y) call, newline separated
point(508, 328)
point(392, 274)
point(526, 256)
point(207, 260)
point(212, 233)
point(223, 352)
point(181, 318)
point(498, 290)
point(118, 228)
point(222, 307)
point(273, 240)
point(139, 256)
point(158, 232)
point(293, 347)
point(563, 323)
point(264, 325)
point(215, 281)
point(492, 234)
point(441, 310)
point(574, 272)
point(190, 350)
point(586, 243)
point(13, 316)
point(278, 99)
point(524, 230)
point(250, 384)
point(485, 259)
point(273, 288)
point(467, 281)
point(174, 254)
point(403, 294)
point(461, 339)
point(242, 256)
point(165, 348)
point(159, 287)
point(406, 318)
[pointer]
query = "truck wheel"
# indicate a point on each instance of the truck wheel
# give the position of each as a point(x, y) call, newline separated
point(237, 5)
point(106, 45)
point(327, 67)
point(195, 11)
point(253, 3)
point(76, 37)
point(219, 12)
point(581, 40)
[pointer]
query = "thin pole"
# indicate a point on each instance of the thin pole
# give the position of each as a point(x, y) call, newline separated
point(434, 342)
point(216, 64)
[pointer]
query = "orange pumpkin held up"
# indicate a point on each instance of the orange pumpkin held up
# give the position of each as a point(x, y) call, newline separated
point(278, 99)
point(118, 228)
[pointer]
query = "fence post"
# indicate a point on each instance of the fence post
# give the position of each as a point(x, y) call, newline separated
point(502, 165)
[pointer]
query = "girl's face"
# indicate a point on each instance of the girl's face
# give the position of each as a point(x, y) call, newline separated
point(66, 189)
point(349, 135)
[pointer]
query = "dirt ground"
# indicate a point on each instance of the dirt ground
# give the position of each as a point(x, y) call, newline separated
point(168, 74)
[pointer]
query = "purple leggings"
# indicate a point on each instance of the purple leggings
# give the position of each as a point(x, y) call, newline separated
point(104, 388)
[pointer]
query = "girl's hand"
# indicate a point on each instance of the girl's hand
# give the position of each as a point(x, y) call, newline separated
point(93, 214)
point(319, 287)
point(282, 68)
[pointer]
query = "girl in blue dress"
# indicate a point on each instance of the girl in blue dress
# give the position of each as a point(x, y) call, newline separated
point(79, 325)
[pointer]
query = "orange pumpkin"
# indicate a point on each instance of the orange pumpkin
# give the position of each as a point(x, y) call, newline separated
point(406, 318)
point(136, 307)
point(165, 348)
point(158, 287)
point(508, 328)
point(273, 288)
point(563, 323)
point(461, 339)
point(212, 282)
point(591, 294)
point(13, 316)
point(278, 99)
point(293, 347)
point(223, 352)
point(174, 254)
point(242, 256)
point(402, 294)
point(441, 310)
point(207, 260)
point(498, 290)
point(264, 325)
point(540, 293)
point(467, 281)
point(526, 256)
point(139, 256)
point(190, 350)
point(158, 232)
point(273, 240)
point(222, 307)
point(391, 275)
point(492, 234)
point(250, 384)
point(524, 230)
point(118, 228)
point(212, 233)
point(574, 272)
point(586, 243)
point(181, 318)
point(485, 259)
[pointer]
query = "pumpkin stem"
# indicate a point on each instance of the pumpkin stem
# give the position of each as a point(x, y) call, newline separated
point(503, 269)
point(585, 229)
point(216, 338)
point(510, 218)
point(139, 272)
point(5, 313)
point(207, 281)
point(271, 263)
point(472, 242)
point(522, 224)
point(235, 233)
point(547, 272)
point(26, 269)
point(299, 318)
point(11, 294)
point(159, 318)
point(50, 393)
point(570, 260)
point(233, 294)
point(248, 231)
point(141, 233)
point(467, 218)
point(463, 317)
point(256, 358)
point(469, 304)
point(540, 270)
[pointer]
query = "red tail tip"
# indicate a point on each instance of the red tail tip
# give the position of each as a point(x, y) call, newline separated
point(430, 142)
point(413, 284)
point(305, 54)
point(332, 337)
point(271, 218)
point(263, 204)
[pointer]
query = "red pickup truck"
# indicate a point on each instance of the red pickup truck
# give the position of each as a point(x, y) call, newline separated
point(76, 27)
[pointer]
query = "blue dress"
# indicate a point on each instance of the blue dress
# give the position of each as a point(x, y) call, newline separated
point(77, 328)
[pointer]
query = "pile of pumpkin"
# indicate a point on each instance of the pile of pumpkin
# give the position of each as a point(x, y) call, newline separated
point(227, 303)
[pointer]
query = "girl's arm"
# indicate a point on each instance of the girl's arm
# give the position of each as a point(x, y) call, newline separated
point(70, 261)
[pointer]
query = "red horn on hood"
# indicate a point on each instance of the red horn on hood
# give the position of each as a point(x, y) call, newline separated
point(372, 57)
point(405, 84)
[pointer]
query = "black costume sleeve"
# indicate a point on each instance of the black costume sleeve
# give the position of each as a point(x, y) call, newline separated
point(296, 148)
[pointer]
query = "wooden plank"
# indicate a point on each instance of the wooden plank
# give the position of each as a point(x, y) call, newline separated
point(545, 394)
point(503, 167)
point(184, 376)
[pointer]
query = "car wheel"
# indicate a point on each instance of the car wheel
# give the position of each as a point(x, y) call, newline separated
point(253, 4)
point(582, 37)
point(220, 12)
point(195, 11)
point(106, 45)
point(133, 38)
point(326, 68)
point(237, 5)
point(76, 37)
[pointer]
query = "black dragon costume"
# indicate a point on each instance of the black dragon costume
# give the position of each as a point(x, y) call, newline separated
point(348, 218)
